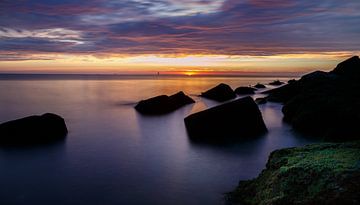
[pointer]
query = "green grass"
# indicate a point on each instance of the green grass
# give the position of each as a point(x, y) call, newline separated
point(304, 175)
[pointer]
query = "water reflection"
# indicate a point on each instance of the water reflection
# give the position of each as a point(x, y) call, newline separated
point(113, 155)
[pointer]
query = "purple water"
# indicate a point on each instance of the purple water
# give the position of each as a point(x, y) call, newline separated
point(113, 155)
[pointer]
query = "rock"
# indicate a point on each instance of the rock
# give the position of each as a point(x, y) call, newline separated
point(261, 100)
point(326, 173)
point(276, 83)
point(33, 130)
point(259, 86)
point(323, 104)
point(234, 120)
point(163, 104)
point(350, 67)
point(245, 90)
point(291, 81)
point(220, 93)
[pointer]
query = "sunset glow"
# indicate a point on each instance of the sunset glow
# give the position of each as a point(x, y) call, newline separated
point(168, 36)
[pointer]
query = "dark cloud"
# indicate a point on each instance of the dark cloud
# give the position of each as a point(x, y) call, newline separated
point(231, 27)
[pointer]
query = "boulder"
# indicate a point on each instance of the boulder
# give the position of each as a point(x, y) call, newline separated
point(220, 93)
point(324, 104)
point(33, 129)
point(245, 90)
point(233, 120)
point(163, 104)
point(349, 67)
point(291, 81)
point(326, 173)
point(276, 83)
point(259, 86)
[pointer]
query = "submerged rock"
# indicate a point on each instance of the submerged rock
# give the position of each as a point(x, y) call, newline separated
point(276, 83)
point(259, 86)
point(220, 93)
point(245, 90)
point(163, 104)
point(33, 129)
point(322, 104)
point(234, 120)
point(325, 173)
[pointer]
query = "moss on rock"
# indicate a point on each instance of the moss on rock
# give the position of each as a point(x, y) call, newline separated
point(327, 173)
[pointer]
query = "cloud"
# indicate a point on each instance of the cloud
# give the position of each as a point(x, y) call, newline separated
point(226, 27)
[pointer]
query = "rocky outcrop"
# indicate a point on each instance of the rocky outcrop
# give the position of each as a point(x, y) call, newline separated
point(324, 104)
point(325, 173)
point(234, 120)
point(245, 90)
point(220, 93)
point(163, 104)
point(33, 130)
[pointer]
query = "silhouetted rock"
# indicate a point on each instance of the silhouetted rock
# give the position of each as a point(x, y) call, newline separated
point(33, 130)
point(259, 86)
point(291, 81)
point(221, 92)
point(245, 90)
point(260, 100)
point(234, 120)
point(276, 83)
point(326, 173)
point(324, 104)
point(163, 104)
point(350, 67)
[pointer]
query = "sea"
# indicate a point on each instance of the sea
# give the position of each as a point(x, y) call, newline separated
point(114, 155)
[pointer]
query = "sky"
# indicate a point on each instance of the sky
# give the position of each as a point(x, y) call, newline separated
point(173, 36)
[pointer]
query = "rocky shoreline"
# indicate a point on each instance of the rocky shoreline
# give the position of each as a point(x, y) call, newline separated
point(324, 105)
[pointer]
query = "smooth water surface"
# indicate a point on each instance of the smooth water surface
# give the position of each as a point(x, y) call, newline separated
point(113, 155)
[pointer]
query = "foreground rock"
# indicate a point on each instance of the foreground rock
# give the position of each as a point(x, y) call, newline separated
point(220, 93)
point(163, 104)
point(234, 120)
point(324, 104)
point(315, 174)
point(33, 130)
point(245, 90)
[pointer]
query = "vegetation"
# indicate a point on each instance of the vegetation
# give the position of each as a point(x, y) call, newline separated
point(327, 173)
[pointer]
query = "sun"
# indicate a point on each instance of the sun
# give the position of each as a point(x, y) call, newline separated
point(190, 73)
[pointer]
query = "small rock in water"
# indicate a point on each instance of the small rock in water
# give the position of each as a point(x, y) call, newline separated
point(163, 104)
point(220, 93)
point(276, 83)
point(259, 85)
point(33, 129)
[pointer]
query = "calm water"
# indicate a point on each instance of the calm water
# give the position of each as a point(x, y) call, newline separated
point(113, 155)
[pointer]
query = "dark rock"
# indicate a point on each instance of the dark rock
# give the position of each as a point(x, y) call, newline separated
point(259, 86)
point(245, 90)
point(234, 120)
point(33, 130)
point(324, 173)
point(221, 93)
point(326, 105)
point(276, 83)
point(163, 104)
point(261, 100)
point(350, 67)
point(291, 81)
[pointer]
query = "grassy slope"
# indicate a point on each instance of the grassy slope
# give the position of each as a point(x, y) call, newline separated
point(325, 173)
